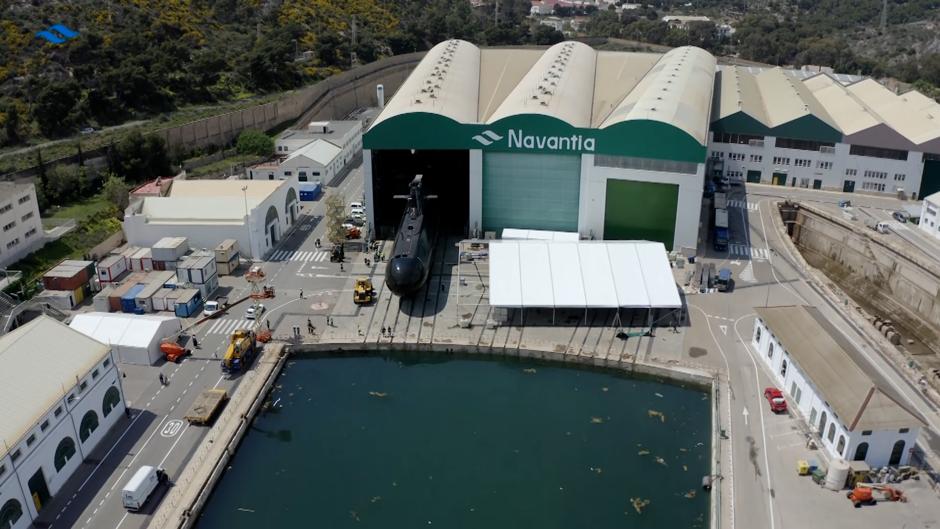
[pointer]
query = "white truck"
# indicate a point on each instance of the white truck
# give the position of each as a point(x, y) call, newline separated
point(878, 225)
point(141, 487)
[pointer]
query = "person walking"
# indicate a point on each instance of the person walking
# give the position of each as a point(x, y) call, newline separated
point(301, 293)
point(195, 342)
point(341, 267)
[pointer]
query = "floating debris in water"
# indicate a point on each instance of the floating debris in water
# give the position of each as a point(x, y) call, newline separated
point(685, 468)
point(654, 413)
point(596, 470)
point(394, 483)
point(699, 444)
point(375, 499)
point(242, 509)
point(639, 504)
point(529, 370)
point(690, 494)
point(660, 395)
point(661, 461)
point(605, 389)
point(379, 394)
point(683, 449)
point(643, 452)
point(354, 515)
point(597, 420)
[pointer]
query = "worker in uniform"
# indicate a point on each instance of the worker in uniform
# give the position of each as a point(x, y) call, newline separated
point(195, 342)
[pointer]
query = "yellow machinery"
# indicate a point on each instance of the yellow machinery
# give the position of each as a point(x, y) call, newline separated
point(363, 292)
point(241, 347)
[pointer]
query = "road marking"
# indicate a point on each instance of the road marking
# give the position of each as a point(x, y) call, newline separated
point(298, 256)
point(747, 252)
point(743, 204)
point(745, 413)
point(170, 429)
point(724, 330)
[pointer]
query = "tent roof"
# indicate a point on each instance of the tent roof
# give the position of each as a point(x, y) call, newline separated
point(121, 329)
point(586, 274)
point(542, 235)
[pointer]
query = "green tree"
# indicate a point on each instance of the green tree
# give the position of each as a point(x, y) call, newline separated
point(255, 142)
point(53, 107)
point(117, 192)
point(11, 124)
point(545, 35)
point(63, 184)
point(138, 158)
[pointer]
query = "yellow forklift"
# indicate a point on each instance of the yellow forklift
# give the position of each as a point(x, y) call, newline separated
point(363, 293)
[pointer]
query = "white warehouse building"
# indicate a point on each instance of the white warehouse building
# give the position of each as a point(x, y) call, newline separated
point(929, 217)
point(315, 154)
point(60, 393)
point(854, 418)
point(20, 228)
point(207, 212)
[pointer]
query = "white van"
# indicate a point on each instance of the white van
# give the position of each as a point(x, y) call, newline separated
point(355, 205)
point(141, 486)
point(357, 212)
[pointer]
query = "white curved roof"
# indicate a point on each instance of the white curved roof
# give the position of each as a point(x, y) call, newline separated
point(677, 91)
point(445, 82)
point(560, 84)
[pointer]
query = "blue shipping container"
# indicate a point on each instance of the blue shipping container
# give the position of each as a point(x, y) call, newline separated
point(309, 192)
point(129, 300)
point(188, 307)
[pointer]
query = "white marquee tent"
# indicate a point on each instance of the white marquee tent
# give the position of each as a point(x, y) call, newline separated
point(135, 338)
point(583, 275)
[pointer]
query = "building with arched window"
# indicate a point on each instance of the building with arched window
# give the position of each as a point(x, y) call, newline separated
point(854, 417)
point(60, 393)
point(256, 213)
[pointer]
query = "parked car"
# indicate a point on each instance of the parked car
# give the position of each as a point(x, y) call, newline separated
point(775, 399)
point(355, 205)
point(901, 216)
point(254, 311)
point(87, 130)
point(845, 203)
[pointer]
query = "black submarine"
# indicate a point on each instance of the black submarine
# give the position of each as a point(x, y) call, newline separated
point(408, 268)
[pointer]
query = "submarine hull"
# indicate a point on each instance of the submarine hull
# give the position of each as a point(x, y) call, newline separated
point(405, 276)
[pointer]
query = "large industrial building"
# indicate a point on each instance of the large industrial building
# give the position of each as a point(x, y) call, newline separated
point(256, 213)
point(617, 145)
point(60, 393)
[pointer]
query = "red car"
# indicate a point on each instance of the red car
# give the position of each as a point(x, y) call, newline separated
point(775, 399)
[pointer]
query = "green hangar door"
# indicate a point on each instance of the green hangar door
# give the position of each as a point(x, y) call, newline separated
point(641, 211)
point(531, 191)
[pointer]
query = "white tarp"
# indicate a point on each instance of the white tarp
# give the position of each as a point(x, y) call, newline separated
point(585, 274)
point(135, 338)
point(539, 235)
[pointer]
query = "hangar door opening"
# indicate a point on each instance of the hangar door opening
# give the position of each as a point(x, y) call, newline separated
point(641, 211)
point(445, 174)
point(531, 191)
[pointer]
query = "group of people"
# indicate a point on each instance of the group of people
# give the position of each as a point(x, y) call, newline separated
point(387, 331)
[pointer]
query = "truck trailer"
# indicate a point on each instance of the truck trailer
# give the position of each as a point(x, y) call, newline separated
point(206, 405)
point(721, 235)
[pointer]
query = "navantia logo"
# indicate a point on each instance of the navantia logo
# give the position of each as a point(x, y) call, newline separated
point(487, 137)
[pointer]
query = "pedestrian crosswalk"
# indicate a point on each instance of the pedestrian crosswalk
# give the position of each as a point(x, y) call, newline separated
point(742, 204)
point(746, 252)
point(292, 255)
point(228, 325)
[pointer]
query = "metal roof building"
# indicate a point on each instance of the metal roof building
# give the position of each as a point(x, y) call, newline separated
point(562, 139)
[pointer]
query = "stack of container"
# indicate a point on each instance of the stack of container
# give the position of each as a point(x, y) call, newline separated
point(118, 292)
point(156, 282)
point(100, 300)
point(69, 282)
point(142, 260)
point(199, 270)
point(111, 269)
point(128, 254)
point(226, 257)
point(188, 302)
point(167, 251)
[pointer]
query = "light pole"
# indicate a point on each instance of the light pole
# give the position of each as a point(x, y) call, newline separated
point(248, 223)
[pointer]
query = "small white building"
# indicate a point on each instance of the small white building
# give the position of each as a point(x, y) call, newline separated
point(135, 339)
point(256, 213)
point(20, 226)
point(855, 419)
point(683, 21)
point(929, 217)
point(60, 393)
point(317, 153)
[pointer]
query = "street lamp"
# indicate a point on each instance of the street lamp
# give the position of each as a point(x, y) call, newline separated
point(248, 221)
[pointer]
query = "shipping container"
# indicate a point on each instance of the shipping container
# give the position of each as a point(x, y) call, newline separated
point(170, 248)
point(159, 265)
point(78, 295)
point(197, 269)
point(158, 300)
point(229, 268)
point(188, 302)
point(206, 289)
point(128, 253)
point(117, 292)
point(169, 300)
point(309, 191)
point(129, 300)
point(60, 299)
point(226, 250)
point(143, 298)
point(142, 260)
point(111, 268)
point(69, 275)
point(100, 301)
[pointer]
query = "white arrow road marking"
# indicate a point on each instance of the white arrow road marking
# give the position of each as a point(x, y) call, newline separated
point(724, 329)
point(745, 412)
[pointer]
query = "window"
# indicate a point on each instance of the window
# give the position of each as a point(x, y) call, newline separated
point(288, 173)
point(800, 162)
point(27, 216)
point(851, 172)
point(880, 175)
point(58, 411)
point(812, 417)
point(315, 173)
point(841, 445)
point(741, 139)
point(94, 374)
point(16, 455)
point(780, 160)
point(106, 363)
point(803, 145)
point(832, 432)
point(877, 152)
point(6, 208)
point(111, 399)
point(44, 426)
point(904, 430)
point(31, 232)
point(13, 243)
point(756, 158)
point(866, 432)
point(861, 452)
point(824, 165)
point(793, 389)
point(24, 199)
point(783, 368)
point(71, 398)
point(757, 335)
point(31, 439)
point(738, 156)
point(9, 226)
point(10, 513)
point(83, 386)
point(770, 351)
point(63, 453)
point(3, 470)
point(898, 177)
point(714, 155)
point(896, 453)
point(89, 424)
